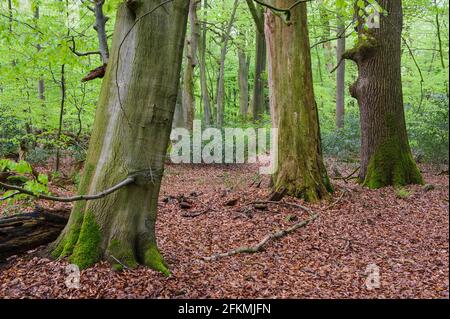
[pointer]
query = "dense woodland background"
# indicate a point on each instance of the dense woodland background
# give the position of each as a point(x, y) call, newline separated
point(38, 39)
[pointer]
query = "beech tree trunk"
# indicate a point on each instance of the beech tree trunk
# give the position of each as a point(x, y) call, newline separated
point(386, 157)
point(130, 138)
point(301, 171)
point(191, 62)
point(244, 64)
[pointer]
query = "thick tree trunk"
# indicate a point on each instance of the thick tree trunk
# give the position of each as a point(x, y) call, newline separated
point(130, 137)
point(243, 83)
point(340, 75)
point(20, 233)
point(301, 171)
point(386, 157)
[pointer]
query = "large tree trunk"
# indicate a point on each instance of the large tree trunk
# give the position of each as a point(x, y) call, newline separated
point(301, 171)
point(340, 75)
point(386, 157)
point(243, 83)
point(130, 137)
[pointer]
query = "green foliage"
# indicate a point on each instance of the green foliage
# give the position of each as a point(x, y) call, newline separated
point(428, 130)
point(343, 143)
point(30, 123)
point(23, 174)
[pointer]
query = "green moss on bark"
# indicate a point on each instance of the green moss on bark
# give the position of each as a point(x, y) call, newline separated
point(122, 253)
point(390, 165)
point(154, 260)
point(87, 249)
point(67, 243)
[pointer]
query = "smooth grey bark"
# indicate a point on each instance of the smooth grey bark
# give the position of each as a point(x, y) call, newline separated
point(190, 49)
point(100, 28)
point(130, 138)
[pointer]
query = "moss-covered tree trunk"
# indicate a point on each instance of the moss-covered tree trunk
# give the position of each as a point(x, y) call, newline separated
point(130, 136)
point(301, 171)
point(386, 157)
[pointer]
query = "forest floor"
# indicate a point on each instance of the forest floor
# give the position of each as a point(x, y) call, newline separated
point(403, 233)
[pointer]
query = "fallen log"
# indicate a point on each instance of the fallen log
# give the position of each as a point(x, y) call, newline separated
point(20, 233)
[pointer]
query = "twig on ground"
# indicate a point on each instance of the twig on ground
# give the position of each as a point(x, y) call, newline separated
point(264, 242)
point(346, 178)
point(253, 249)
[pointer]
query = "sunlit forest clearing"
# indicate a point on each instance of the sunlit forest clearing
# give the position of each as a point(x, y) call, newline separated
point(224, 149)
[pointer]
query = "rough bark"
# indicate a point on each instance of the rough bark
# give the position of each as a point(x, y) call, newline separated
point(301, 171)
point(130, 137)
point(340, 75)
point(20, 233)
point(386, 157)
point(244, 64)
